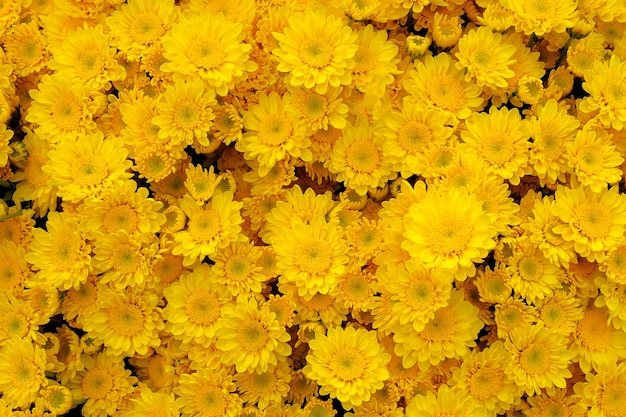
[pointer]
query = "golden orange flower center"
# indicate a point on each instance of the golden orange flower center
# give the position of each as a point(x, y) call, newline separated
point(535, 359)
point(89, 170)
point(420, 294)
point(348, 364)
point(121, 217)
point(593, 331)
point(146, 28)
point(206, 54)
point(413, 136)
point(202, 307)
point(275, 130)
point(363, 156)
point(238, 268)
point(314, 256)
point(125, 259)
point(449, 236)
point(364, 59)
point(485, 383)
point(97, 384)
point(316, 53)
point(126, 320)
point(252, 336)
point(441, 327)
point(593, 219)
point(613, 399)
point(446, 92)
point(204, 225)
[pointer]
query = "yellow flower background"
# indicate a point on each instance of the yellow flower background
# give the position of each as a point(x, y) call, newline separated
point(304, 208)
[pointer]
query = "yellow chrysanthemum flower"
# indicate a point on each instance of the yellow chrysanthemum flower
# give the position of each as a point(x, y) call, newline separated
point(593, 159)
point(560, 312)
point(61, 109)
point(375, 61)
point(312, 111)
point(87, 167)
point(539, 17)
point(210, 48)
point(485, 58)
point(317, 50)
point(185, 113)
point(532, 276)
point(139, 24)
point(101, 385)
point(358, 159)
point(211, 226)
point(250, 337)
point(540, 358)
point(311, 255)
point(23, 367)
point(348, 364)
point(603, 394)
point(26, 48)
point(59, 253)
point(57, 398)
point(151, 403)
point(208, 393)
point(482, 376)
point(237, 268)
point(499, 139)
point(450, 231)
point(449, 334)
point(125, 322)
point(605, 85)
point(593, 221)
point(437, 82)
point(267, 388)
point(270, 135)
point(446, 402)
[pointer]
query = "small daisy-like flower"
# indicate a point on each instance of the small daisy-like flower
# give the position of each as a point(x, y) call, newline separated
point(14, 270)
point(485, 58)
point(594, 160)
point(19, 319)
point(446, 29)
point(87, 58)
point(450, 231)
point(250, 337)
point(513, 313)
point(317, 50)
point(23, 367)
point(605, 85)
point(364, 238)
point(214, 225)
point(26, 48)
point(61, 109)
point(101, 385)
point(438, 83)
point(127, 323)
point(270, 134)
point(59, 253)
point(449, 334)
point(493, 284)
point(416, 292)
point(593, 221)
point(482, 376)
point(560, 313)
point(445, 402)
point(532, 276)
point(210, 48)
point(375, 61)
point(208, 393)
point(603, 394)
point(311, 255)
point(87, 167)
point(596, 343)
point(348, 364)
point(184, 113)
point(57, 398)
point(355, 289)
point(79, 302)
point(200, 183)
point(539, 17)
point(266, 388)
point(357, 159)
point(540, 358)
point(228, 123)
point(237, 268)
point(614, 264)
point(499, 139)
point(312, 111)
point(140, 24)
point(154, 164)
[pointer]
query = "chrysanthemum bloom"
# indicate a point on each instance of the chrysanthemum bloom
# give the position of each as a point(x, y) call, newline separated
point(312, 111)
point(185, 113)
point(532, 276)
point(23, 367)
point(438, 83)
point(485, 58)
point(151, 403)
point(446, 402)
point(125, 207)
point(560, 313)
point(375, 61)
point(482, 376)
point(605, 85)
point(200, 183)
point(593, 159)
point(596, 343)
point(270, 134)
point(62, 109)
point(349, 364)
point(127, 323)
point(60, 254)
point(20, 319)
point(540, 358)
point(26, 48)
point(87, 167)
point(603, 394)
point(500, 140)
point(542, 16)
point(593, 221)
point(138, 25)
point(237, 268)
point(416, 292)
point(250, 337)
point(266, 388)
point(86, 57)
point(558, 402)
point(407, 133)
point(210, 48)
point(212, 226)
point(614, 265)
point(311, 255)
point(357, 159)
point(317, 50)
point(208, 393)
point(449, 334)
point(101, 385)
point(57, 398)
point(14, 270)
point(450, 231)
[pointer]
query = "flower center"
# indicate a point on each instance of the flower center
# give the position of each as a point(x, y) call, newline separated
point(497, 148)
point(66, 113)
point(613, 399)
point(446, 92)
point(187, 116)
point(275, 130)
point(97, 384)
point(530, 269)
point(202, 308)
point(615, 95)
point(204, 225)
point(348, 365)
point(146, 28)
point(314, 256)
point(89, 170)
point(90, 64)
point(449, 236)
point(420, 295)
point(593, 332)
point(485, 383)
point(590, 160)
point(414, 136)
point(362, 156)
point(364, 59)
point(16, 325)
point(252, 336)
point(34, 175)
point(441, 327)
point(593, 219)
point(535, 359)
point(210, 401)
point(552, 315)
point(238, 268)
point(314, 106)
point(121, 217)
point(10, 275)
point(126, 320)
point(64, 254)
point(206, 54)
point(125, 260)
point(24, 374)
point(316, 53)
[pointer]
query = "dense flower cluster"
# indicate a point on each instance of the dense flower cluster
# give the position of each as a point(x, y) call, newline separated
point(287, 208)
